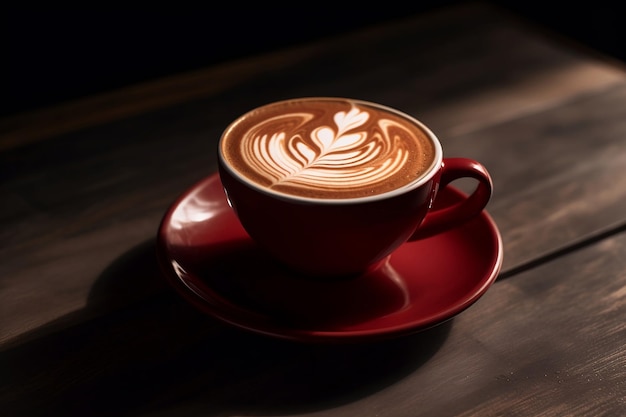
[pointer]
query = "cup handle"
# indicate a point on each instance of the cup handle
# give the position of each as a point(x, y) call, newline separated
point(438, 221)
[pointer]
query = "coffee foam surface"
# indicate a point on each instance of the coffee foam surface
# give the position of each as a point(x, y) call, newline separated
point(327, 148)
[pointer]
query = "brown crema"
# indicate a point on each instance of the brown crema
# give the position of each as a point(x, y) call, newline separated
point(327, 148)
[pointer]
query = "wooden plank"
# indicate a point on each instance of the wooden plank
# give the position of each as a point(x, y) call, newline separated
point(559, 174)
point(545, 342)
point(537, 200)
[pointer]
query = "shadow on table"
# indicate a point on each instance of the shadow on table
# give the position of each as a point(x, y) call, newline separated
point(156, 354)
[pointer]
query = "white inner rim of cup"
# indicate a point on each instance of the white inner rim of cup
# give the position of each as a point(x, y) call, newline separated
point(419, 181)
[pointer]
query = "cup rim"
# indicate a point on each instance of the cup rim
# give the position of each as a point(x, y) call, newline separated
point(416, 183)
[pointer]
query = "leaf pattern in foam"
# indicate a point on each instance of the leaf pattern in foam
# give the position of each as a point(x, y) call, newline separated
point(338, 157)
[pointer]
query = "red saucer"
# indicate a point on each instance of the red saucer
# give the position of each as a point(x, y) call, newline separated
point(210, 260)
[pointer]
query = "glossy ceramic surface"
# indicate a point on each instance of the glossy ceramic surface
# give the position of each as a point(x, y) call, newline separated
point(211, 261)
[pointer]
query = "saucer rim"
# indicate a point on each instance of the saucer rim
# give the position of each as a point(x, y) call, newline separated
point(309, 335)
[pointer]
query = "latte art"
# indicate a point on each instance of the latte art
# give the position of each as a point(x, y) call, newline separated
point(340, 157)
point(329, 149)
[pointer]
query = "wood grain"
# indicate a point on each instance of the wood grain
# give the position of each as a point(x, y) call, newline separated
point(559, 174)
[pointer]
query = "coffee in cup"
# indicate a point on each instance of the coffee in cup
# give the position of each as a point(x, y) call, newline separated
point(332, 186)
point(327, 149)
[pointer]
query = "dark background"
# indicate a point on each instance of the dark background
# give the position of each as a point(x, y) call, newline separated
point(53, 55)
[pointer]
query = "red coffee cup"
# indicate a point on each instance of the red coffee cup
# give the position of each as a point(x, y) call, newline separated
point(321, 234)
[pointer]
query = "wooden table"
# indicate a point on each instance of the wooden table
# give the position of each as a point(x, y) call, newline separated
point(88, 326)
